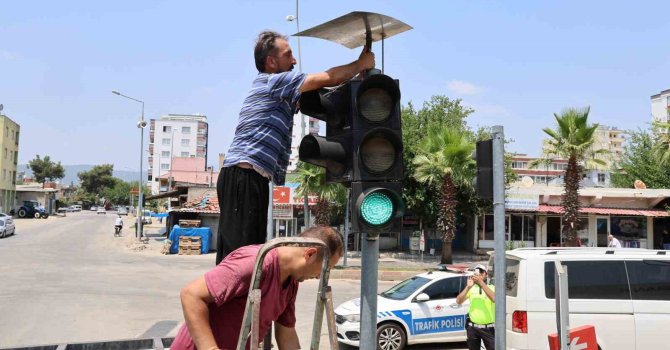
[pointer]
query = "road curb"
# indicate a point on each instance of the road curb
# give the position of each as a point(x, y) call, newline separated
point(355, 274)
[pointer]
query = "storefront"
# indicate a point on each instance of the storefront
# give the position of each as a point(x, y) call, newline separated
point(637, 218)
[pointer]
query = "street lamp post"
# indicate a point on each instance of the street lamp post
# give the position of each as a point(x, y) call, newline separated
point(141, 124)
point(303, 124)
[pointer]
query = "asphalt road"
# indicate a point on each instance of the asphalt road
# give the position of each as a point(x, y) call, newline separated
point(70, 280)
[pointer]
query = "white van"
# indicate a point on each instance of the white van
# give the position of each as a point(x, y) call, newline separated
point(624, 293)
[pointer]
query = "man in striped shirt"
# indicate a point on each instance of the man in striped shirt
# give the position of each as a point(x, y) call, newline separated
point(260, 149)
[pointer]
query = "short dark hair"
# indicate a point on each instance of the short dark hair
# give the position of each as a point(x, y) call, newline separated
point(265, 46)
point(328, 235)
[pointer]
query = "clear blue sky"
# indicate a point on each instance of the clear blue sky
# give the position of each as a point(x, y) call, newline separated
point(514, 62)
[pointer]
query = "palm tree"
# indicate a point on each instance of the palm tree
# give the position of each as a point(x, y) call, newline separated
point(573, 139)
point(445, 159)
point(662, 145)
point(313, 180)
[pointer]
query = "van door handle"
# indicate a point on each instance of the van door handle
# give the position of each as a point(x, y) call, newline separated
point(455, 305)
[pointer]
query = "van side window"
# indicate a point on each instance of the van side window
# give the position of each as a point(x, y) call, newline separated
point(511, 277)
point(447, 288)
point(590, 280)
point(649, 279)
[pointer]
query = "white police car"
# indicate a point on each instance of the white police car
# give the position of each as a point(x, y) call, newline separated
point(421, 309)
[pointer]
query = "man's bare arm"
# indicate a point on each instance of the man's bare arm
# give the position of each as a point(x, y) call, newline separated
point(287, 338)
point(338, 75)
point(195, 298)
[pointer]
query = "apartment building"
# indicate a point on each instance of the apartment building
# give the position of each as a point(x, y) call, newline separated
point(174, 135)
point(660, 104)
point(9, 139)
point(546, 170)
point(310, 126)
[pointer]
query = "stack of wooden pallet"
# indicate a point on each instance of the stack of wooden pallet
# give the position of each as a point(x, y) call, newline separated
point(190, 223)
point(190, 245)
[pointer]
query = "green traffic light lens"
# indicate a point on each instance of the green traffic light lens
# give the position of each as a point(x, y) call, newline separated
point(377, 209)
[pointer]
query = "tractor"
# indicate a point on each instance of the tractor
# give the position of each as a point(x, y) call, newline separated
point(31, 209)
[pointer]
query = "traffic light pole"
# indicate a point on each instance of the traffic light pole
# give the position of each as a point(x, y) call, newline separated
point(369, 276)
point(499, 232)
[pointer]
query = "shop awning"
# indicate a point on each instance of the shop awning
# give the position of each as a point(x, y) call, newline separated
point(554, 209)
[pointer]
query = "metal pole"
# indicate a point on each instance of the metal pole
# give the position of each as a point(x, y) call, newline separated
point(369, 276)
point(141, 194)
point(269, 234)
point(499, 233)
point(562, 307)
point(346, 225)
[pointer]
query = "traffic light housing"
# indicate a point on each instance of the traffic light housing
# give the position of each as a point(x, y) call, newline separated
point(333, 151)
point(377, 132)
point(362, 147)
point(484, 180)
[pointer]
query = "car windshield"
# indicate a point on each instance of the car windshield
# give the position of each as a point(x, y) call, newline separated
point(405, 288)
point(2, 223)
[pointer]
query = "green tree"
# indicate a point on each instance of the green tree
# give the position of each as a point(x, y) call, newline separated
point(573, 139)
point(120, 192)
point(98, 179)
point(637, 163)
point(661, 147)
point(445, 160)
point(44, 169)
point(439, 112)
point(313, 180)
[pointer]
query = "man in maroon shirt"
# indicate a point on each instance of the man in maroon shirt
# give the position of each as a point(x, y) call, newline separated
point(214, 304)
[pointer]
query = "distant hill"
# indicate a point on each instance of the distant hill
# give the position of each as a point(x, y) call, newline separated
point(72, 170)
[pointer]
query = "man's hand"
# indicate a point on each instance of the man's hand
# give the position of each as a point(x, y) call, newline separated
point(471, 282)
point(366, 60)
point(478, 279)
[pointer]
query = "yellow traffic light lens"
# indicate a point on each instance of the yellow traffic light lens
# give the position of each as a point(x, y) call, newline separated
point(377, 209)
point(377, 153)
point(375, 105)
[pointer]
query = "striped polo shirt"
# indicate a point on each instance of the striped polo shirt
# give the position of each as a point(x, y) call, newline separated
point(263, 134)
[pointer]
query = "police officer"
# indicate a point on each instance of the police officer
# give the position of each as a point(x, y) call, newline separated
point(481, 315)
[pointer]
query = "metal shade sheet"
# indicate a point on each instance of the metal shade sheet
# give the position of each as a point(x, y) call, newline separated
point(350, 30)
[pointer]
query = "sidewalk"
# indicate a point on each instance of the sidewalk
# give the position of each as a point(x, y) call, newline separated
point(393, 266)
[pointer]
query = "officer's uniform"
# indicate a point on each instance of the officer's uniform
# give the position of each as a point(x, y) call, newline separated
point(481, 319)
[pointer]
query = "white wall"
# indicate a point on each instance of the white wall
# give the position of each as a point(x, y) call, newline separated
point(659, 108)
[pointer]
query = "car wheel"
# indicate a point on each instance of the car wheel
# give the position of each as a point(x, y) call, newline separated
point(2, 234)
point(22, 213)
point(37, 215)
point(391, 336)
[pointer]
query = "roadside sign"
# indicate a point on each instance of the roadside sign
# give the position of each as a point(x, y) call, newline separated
point(581, 338)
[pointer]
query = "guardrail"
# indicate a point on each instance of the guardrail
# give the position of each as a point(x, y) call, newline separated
point(126, 344)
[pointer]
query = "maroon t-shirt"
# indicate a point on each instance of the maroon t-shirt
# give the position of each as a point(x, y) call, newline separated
point(229, 284)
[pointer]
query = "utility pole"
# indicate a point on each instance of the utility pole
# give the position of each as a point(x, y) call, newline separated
point(499, 233)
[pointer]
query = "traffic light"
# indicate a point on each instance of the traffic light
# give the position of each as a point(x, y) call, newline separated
point(484, 180)
point(332, 152)
point(362, 147)
point(377, 156)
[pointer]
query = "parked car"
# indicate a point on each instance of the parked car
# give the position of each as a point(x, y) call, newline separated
point(122, 211)
point(76, 207)
point(421, 309)
point(622, 292)
point(101, 210)
point(94, 208)
point(31, 209)
point(7, 227)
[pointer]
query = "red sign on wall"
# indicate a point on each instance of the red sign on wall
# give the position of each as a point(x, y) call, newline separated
point(281, 195)
point(581, 338)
